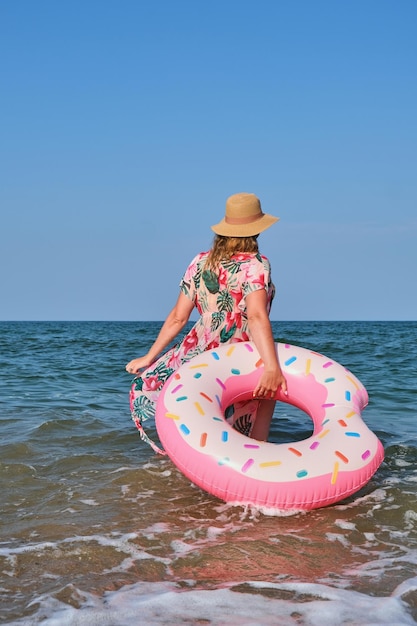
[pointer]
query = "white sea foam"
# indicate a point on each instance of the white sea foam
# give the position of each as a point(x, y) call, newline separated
point(344, 524)
point(249, 604)
point(122, 543)
point(338, 537)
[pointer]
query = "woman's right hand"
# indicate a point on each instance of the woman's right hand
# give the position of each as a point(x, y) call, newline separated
point(269, 383)
point(136, 365)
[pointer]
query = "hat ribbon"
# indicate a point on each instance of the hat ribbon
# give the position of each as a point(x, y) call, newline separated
point(243, 220)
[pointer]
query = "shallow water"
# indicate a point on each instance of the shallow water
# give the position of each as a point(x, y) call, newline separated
point(97, 529)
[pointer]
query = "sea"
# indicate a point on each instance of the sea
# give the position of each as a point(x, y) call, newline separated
point(97, 529)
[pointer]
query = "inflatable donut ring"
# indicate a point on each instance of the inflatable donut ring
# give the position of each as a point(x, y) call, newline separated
point(334, 462)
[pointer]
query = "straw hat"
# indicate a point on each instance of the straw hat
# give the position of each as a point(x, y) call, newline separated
point(243, 217)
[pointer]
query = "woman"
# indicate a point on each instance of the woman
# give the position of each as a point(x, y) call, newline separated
point(232, 290)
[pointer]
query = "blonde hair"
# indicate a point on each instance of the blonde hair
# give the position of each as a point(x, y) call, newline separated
point(224, 248)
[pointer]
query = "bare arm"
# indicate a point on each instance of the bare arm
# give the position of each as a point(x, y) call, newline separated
point(261, 332)
point(174, 323)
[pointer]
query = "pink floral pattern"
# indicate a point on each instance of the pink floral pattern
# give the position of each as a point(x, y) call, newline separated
point(220, 300)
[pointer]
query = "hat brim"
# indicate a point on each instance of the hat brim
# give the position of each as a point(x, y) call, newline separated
point(244, 230)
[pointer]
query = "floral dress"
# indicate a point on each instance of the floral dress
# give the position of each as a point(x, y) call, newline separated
point(220, 300)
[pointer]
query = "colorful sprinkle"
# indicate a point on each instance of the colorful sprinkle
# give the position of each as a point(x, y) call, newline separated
point(215, 356)
point(181, 398)
point(172, 416)
point(316, 353)
point(252, 446)
point(341, 456)
point(270, 463)
point(204, 395)
point(366, 454)
point(353, 381)
point(308, 366)
point(235, 372)
point(225, 436)
point(325, 421)
point(185, 429)
point(230, 351)
point(217, 419)
point(246, 466)
point(295, 451)
point(352, 434)
point(328, 406)
point(177, 388)
point(347, 395)
point(203, 440)
point(324, 433)
point(301, 473)
point(335, 473)
point(224, 461)
point(314, 445)
point(342, 423)
point(198, 375)
point(199, 408)
point(328, 364)
point(220, 383)
point(195, 367)
point(248, 347)
point(259, 363)
point(218, 401)
point(350, 414)
point(329, 380)
point(177, 376)
point(290, 360)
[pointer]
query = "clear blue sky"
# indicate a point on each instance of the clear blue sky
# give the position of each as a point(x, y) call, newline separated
point(125, 124)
